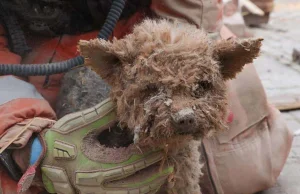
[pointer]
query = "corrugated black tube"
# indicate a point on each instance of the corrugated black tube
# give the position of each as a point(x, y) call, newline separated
point(60, 67)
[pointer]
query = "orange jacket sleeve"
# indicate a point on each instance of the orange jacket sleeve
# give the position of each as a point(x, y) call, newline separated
point(16, 104)
point(19, 99)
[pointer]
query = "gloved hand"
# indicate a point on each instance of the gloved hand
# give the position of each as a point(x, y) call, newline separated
point(36, 126)
point(73, 160)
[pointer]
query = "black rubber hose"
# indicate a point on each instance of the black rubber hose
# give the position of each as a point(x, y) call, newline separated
point(16, 38)
point(61, 67)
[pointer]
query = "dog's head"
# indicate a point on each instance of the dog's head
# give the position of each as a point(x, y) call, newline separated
point(168, 78)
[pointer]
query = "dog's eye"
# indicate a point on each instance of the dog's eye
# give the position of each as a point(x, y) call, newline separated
point(201, 88)
point(205, 85)
point(151, 87)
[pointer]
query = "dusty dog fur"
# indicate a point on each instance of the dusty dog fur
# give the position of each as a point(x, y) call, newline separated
point(163, 62)
point(163, 68)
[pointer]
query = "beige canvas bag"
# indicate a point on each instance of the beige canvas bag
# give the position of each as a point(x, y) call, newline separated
point(249, 156)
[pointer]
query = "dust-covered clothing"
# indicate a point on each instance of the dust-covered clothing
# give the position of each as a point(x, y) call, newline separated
point(256, 135)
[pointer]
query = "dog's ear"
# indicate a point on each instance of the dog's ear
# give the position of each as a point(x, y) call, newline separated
point(102, 57)
point(233, 54)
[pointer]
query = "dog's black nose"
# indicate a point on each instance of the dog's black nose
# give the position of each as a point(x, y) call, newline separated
point(184, 120)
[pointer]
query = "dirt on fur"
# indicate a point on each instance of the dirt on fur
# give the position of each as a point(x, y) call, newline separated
point(168, 82)
point(165, 67)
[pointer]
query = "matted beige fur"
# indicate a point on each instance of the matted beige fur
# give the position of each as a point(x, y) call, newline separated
point(168, 81)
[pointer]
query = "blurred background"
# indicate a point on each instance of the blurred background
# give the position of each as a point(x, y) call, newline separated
point(278, 22)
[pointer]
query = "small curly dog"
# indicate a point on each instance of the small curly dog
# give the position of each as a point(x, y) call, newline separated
point(168, 82)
